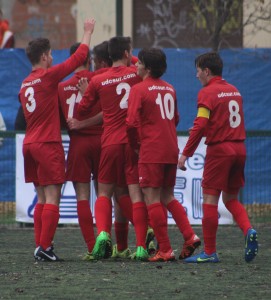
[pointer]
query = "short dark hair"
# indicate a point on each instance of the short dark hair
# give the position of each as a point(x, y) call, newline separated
point(155, 60)
point(73, 49)
point(117, 46)
point(212, 61)
point(101, 53)
point(36, 48)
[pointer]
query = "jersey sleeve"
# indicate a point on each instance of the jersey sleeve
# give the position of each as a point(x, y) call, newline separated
point(204, 99)
point(176, 113)
point(196, 134)
point(134, 60)
point(88, 100)
point(60, 71)
point(133, 117)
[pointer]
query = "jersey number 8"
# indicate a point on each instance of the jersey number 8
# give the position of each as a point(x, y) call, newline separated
point(235, 118)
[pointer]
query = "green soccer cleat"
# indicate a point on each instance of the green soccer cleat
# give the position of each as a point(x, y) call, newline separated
point(103, 246)
point(88, 257)
point(121, 254)
point(108, 249)
point(151, 248)
point(149, 237)
point(141, 254)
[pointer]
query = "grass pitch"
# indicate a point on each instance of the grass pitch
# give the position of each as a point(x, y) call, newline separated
point(23, 278)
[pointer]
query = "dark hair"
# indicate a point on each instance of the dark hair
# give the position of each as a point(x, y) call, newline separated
point(117, 46)
point(101, 53)
point(36, 48)
point(73, 49)
point(212, 61)
point(155, 60)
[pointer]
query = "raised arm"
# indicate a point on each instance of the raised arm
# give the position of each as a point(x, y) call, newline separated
point(89, 25)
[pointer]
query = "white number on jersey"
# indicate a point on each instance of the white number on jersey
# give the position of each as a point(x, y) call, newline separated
point(29, 94)
point(71, 102)
point(166, 105)
point(124, 100)
point(235, 118)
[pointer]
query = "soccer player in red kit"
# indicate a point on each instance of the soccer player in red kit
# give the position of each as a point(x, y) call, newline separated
point(44, 161)
point(85, 145)
point(118, 164)
point(102, 61)
point(221, 119)
point(151, 123)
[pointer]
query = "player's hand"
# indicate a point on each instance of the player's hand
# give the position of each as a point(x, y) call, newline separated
point(181, 162)
point(190, 129)
point(73, 124)
point(82, 85)
point(89, 25)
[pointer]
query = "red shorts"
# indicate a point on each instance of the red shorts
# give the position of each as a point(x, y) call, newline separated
point(83, 158)
point(44, 163)
point(224, 167)
point(157, 175)
point(119, 165)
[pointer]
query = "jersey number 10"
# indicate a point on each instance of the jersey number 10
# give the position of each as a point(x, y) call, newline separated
point(166, 105)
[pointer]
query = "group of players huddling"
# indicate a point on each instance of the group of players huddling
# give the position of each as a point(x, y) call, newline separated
point(121, 120)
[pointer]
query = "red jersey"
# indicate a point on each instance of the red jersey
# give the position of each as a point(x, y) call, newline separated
point(153, 111)
point(69, 98)
point(4, 26)
point(112, 89)
point(226, 120)
point(39, 99)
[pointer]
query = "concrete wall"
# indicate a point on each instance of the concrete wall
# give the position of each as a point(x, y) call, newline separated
point(62, 21)
point(253, 37)
point(104, 11)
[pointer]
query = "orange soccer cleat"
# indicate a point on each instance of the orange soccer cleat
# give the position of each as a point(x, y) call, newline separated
point(190, 246)
point(163, 256)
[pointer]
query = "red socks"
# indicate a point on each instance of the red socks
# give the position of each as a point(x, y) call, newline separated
point(126, 207)
point(37, 222)
point(165, 212)
point(159, 224)
point(239, 214)
point(50, 217)
point(103, 214)
point(209, 227)
point(140, 215)
point(180, 218)
point(121, 232)
point(86, 223)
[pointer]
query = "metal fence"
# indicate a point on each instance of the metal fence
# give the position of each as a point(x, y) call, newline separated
point(256, 195)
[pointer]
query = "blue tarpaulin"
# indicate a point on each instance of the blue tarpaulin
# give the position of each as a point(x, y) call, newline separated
point(248, 69)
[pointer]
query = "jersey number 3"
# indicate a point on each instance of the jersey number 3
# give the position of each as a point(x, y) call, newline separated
point(29, 94)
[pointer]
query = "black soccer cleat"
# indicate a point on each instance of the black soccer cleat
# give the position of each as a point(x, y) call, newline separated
point(46, 255)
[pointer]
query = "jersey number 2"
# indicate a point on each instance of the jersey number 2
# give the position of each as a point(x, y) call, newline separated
point(124, 100)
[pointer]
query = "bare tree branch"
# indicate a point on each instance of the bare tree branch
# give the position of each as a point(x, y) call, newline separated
point(218, 13)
